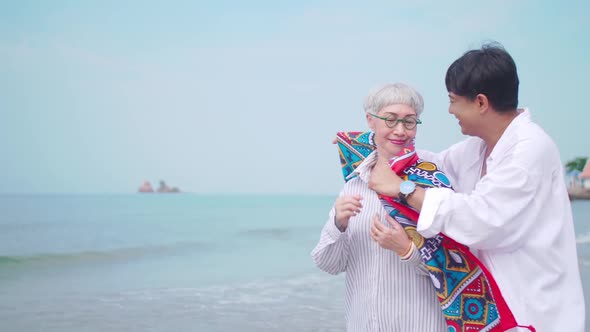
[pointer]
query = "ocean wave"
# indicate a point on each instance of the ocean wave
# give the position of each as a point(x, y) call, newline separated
point(109, 255)
point(294, 303)
point(281, 233)
point(255, 292)
point(273, 233)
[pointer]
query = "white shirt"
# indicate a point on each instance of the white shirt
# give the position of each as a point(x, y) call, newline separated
point(518, 216)
point(383, 293)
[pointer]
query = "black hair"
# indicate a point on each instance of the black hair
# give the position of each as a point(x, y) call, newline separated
point(490, 71)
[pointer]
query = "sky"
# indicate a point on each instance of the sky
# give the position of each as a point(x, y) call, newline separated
point(246, 96)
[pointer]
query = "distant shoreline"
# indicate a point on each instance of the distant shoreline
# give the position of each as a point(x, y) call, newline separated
point(578, 193)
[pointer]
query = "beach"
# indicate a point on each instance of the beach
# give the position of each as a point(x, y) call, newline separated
point(182, 262)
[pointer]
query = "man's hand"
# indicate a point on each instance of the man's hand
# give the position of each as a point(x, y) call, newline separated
point(394, 238)
point(383, 180)
point(346, 207)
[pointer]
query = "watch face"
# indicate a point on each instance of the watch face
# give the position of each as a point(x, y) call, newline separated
point(407, 187)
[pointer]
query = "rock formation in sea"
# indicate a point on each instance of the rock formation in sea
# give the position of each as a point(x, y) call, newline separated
point(165, 189)
point(146, 187)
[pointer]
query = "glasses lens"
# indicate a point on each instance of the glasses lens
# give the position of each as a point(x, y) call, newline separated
point(410, 123)
point(391, 121)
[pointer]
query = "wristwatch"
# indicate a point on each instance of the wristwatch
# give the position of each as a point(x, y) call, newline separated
point(406, 189)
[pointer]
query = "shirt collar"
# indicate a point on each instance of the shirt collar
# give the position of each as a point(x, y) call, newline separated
point(507, 138)
point(363, 170)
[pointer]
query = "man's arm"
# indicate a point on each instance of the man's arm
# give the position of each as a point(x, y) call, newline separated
point(497, 214)
point(384, 181)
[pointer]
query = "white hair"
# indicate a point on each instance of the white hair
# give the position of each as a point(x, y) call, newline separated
point(393, 94)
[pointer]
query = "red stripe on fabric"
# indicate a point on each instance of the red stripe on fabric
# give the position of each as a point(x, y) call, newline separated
point(507, 320)
point(399, 167)
point(405, 210)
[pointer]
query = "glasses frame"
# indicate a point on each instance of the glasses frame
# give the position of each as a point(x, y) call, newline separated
point(396, 121)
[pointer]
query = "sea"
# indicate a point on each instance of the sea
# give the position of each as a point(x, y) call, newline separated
point(175, 262)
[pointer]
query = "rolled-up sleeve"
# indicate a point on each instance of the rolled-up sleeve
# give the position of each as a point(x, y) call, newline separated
point(415, 261)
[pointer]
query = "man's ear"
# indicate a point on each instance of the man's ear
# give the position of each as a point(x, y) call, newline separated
point(482, 102)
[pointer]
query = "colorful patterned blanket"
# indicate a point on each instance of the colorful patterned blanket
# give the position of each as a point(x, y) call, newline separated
point(469, 297)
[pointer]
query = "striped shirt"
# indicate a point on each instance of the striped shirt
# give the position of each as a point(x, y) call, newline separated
point(383, 292)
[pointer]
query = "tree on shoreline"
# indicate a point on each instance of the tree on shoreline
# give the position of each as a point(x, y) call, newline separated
point(576, 165)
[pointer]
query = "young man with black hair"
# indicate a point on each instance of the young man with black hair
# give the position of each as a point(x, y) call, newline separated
point(510, 202)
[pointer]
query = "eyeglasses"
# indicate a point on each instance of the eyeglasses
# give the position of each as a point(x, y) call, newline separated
point(410, 122)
